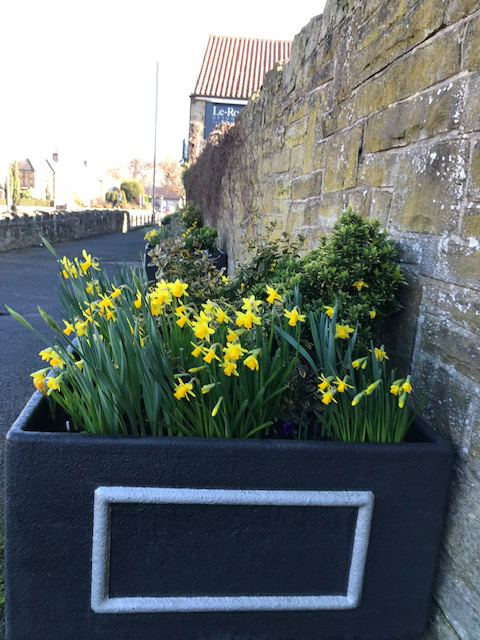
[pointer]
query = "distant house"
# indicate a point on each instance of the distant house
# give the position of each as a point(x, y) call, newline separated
point(165, 199)
point(26, 174)
point(232, 70)
point(37, 176)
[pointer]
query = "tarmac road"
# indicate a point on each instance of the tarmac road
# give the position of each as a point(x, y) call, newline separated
point(28, 278)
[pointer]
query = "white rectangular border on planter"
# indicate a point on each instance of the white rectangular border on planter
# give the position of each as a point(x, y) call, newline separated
point(105, 496)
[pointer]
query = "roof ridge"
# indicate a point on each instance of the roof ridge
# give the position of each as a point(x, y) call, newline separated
point(214, 35)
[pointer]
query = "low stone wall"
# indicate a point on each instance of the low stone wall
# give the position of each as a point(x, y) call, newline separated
point(23, 229)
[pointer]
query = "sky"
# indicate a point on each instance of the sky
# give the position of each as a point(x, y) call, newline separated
point(79, 77)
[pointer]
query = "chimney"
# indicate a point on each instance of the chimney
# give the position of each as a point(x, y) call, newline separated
point(55, 156)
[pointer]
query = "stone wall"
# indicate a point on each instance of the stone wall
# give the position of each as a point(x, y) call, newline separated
point(379, 107)
point(20, 230)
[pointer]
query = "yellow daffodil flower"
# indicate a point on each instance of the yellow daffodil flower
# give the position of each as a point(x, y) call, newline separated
point(359, 284)
point(324, 382)
point(233, 351)
point(210, 355)
point(328, 310)
point(380, 354)
point(395, 389)
point(328, 397)
point(105, 303)
point(371, 387)
point(208, 387)
point(221, 316)
point(251, 304)
point(225, 279)
point(342, 384)
point(79, 364)
point(251, 362)
point(294, 316)
point(182, 320)
point(81, 328)
point(373, 314)
point(111, 315)
point(197, 350)
point(89, 288)
point(343, 331)
point(209, 307)
point(53, 384)
point(229, 367)
point(406, 386)
point(68, 328)
point(115, 292)
point(183, 390)
point(138, 300)
point(39, 380)
point(46, 354)
point(272, 295)
point(401, 400)
point(231, 336)
point(178, 288)
point(201, 327)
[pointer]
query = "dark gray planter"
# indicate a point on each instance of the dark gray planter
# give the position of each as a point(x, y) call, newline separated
point(221, 259)
point(194, 539)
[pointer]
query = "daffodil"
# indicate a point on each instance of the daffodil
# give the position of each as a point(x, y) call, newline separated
point(197, 350)
point(79, 364)
point(247, 319)
point(395, 389)
point(359, 284)
point(182, 320)
point(111, 315)
point(53, 384)
point(178, 288)
point(342, 384)
point(406, 386)
point(229, 367)
point(251, 362)
point(357, 398)
point(324, 382)
point(81, 328)
point(138, 300)
point(210, 355)
point(233, 351)
point(231, 336)
point(39, 379)
point(221, 316)
point(294, 316)
point(371, 387)
point(251, 304)
point(208, 387)
point(209, 307)
point(105, 302)
point(380, 354)
point(201, 327)
point(225, 279)
point(343, 331)
point(373, 314)
point(68, 328)
point(272, 295)
point(328, 310)
point(89, 288)
point(328, 397)
point(46, 354)
point(183, 390)
point(116, 292)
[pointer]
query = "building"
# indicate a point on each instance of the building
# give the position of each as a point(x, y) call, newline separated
point(232, 70)
point(166, 200)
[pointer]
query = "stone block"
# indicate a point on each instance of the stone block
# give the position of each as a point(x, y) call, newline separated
point(453, 345)
point(380, 202)
point(458, 9)
point(471, 222)
point(281, 161)
point(307, 186)
point(426, 66)
point(425, 116)
point(471, 45)
point(461, 305)
point(295, 133)
point(319, 156)
point(395, 29)
point(341, 116)
point(474, 452)
point(310, 142)
point(359, 200)
point(474, 182)
point(323, 212)
point(459, 260)
point(378, 170)
point(341, 153)
point(471, 118)
point(440, 628)
point(297, 157)
point(429, 188)
point(282, 190)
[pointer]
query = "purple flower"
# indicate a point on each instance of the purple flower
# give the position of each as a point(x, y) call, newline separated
point(288, 429)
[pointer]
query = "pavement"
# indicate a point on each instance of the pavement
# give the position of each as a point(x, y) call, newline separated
point(28, 278)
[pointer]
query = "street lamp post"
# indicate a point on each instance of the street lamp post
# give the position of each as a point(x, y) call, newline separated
point(155, 143)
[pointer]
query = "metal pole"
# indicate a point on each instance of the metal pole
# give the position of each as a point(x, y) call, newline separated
point(9, 195)
point(155, 147)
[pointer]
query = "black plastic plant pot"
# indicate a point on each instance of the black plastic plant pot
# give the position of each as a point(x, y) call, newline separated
point(220, 258)
point(150, 269)
point(196, 539)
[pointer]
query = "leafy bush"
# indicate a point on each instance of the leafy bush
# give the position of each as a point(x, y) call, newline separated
point(132, 190)
point(25, 194)
point(34, 202)
point(191, 215)
point(203, 238)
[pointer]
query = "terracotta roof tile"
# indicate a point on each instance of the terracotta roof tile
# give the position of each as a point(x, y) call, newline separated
point(234, 67)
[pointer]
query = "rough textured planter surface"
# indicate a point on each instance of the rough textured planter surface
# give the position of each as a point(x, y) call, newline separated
point(149, 269)
point(193, 539)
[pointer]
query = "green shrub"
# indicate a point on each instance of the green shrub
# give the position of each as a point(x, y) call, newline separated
point(132, 190)
point(202, 238)
point(191, 214)
point(34, 202)
point(26, 194)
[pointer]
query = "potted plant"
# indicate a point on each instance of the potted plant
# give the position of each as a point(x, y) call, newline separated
point(220, 519)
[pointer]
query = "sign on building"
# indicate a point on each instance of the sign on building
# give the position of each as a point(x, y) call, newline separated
point(216, 113)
